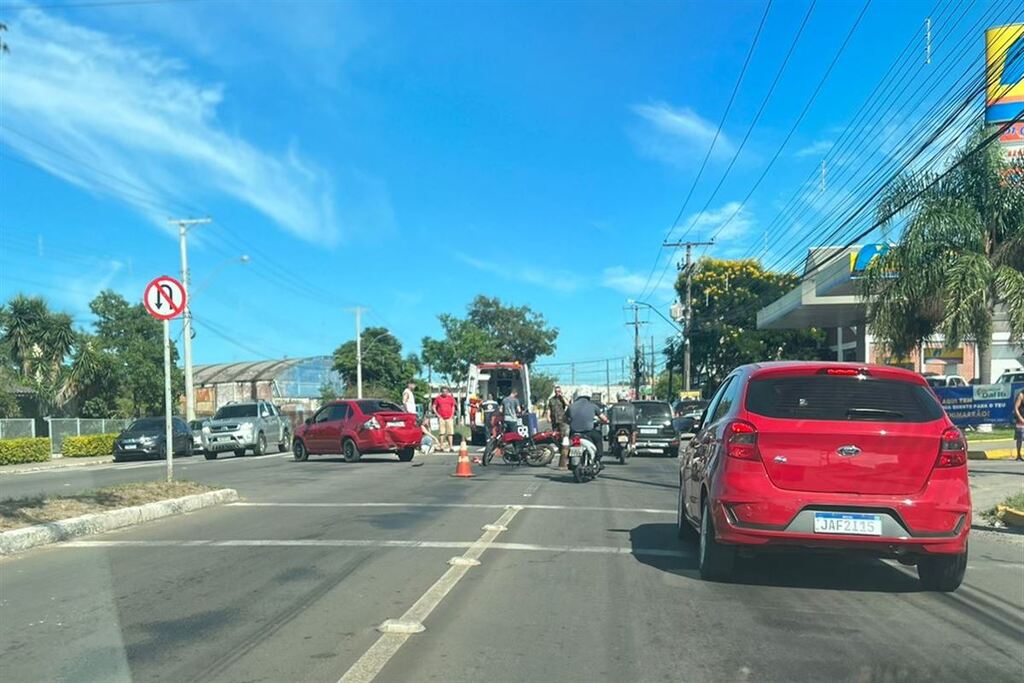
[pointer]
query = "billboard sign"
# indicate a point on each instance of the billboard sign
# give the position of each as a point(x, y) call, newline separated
point(1004, 59)
point(979, 404)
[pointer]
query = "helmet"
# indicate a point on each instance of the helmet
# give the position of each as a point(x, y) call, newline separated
point(621, 396)
point(580, 393)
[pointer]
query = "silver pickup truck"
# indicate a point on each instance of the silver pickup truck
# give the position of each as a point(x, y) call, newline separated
point(246, 425)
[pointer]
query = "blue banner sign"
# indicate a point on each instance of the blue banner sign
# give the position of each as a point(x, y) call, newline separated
point(979, 404)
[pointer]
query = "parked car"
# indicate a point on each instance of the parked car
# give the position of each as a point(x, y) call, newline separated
point(246, 425)
point(145, 438)
point(937, 381)
point(197, 434)
point(356, 426)
point(830, 456)
point(685, 424)
point(1011, 377)
point(654, 430)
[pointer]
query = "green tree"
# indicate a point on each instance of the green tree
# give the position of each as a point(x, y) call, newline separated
point(385, 370)
point(542, 385)
point(135, 341)
point(960, 256)
point(490, 331)
point(36, 342)
point(726, 297)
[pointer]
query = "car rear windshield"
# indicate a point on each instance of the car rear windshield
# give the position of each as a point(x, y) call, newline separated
point(649, 413)
point(824, 397)
point(243, 410)
point(146, 423)
point(377, 406)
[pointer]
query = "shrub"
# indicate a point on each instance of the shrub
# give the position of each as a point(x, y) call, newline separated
point(87, 445)
point(15, 451)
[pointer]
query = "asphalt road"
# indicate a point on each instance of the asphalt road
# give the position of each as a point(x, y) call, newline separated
point(588, 583)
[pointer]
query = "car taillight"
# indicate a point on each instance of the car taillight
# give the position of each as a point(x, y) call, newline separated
point(845, 372)
point(741, 441)
point(371, 424)
point(952, 449)
point(576, 440)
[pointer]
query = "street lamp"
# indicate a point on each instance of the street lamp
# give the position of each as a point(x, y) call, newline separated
point(243, 259)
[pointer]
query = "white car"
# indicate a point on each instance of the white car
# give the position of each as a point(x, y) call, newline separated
point(937, 381)
point(1011, 377)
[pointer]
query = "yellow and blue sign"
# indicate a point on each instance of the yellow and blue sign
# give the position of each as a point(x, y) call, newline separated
point(1004, 57)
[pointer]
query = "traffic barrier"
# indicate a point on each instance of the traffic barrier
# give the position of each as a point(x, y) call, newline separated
point(462, 467)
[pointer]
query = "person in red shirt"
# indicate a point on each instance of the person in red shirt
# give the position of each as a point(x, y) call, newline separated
point(444, 406)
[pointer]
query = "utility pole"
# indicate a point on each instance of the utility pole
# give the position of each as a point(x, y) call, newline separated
point(652, 373)
point(671, 358)
point(358, 310)
point(688, 269)
point(186, 317)
point(608, 380)
point(638, 354)
point(572, 371)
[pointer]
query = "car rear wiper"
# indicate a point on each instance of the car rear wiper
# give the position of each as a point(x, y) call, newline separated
point(874, 412)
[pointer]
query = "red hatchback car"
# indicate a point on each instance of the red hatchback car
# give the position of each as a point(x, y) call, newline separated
point(357, 426)
point(830, 456)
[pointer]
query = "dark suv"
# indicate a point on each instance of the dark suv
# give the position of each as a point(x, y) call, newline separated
point(654, 431)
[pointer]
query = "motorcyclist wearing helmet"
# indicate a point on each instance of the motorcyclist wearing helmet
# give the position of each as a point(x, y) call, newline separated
point(622, 415)
point(584, 417)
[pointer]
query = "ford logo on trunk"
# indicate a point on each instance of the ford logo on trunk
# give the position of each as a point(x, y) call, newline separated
point(848, 451)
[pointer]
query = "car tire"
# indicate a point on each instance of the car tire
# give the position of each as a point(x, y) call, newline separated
point(350, 451)
point(299, 451)
point(239, 452)
point(715, 561)
point(684, 530)
point(189, 452)
point(406, 454)
point(261, 445)
point(942, 573)
point(283, 446)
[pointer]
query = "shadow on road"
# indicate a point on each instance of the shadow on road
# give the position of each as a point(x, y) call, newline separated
point(606, 475)
point(786, 570)
point(338, 459)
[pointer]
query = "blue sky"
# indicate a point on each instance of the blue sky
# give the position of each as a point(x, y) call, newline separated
point(407, 156)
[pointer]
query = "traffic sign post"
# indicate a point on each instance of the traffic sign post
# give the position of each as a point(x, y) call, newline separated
point(164, 299)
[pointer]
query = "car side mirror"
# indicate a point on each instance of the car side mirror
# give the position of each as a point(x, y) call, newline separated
point(308, 421)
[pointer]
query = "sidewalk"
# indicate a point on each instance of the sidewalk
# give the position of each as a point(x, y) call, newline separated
point(993, 482)
point(55, 463)
point(991, 450)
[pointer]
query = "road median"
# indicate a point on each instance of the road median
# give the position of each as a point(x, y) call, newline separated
point(34, 522)
point(994, 454)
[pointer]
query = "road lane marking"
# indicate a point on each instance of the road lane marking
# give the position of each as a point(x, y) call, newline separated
point(380, 653)
point(377, 543)
point(467, 506)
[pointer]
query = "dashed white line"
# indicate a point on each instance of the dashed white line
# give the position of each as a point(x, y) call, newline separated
point(380, 653)
point(467, 506)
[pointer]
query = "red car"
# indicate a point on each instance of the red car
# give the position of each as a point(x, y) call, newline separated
point(357, 426)
point(831, 456)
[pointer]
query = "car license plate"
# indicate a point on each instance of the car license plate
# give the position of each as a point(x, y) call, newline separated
point(130, 447)
point(847, 523)
point(648, 430)
point(396, 423)
point(623, 438)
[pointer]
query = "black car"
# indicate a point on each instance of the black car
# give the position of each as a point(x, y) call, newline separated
point(654, 430)
point(145, 438)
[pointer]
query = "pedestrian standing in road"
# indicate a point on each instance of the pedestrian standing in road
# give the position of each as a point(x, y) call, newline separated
point(1018, 411)
point(554, 411)
point(409, 398)
point(444, 407)
point(511, 409)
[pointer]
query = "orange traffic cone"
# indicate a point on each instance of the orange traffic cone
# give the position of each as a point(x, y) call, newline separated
point(463, 468)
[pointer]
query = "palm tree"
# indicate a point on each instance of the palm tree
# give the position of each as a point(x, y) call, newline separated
point(960, 256)
point(21, 322)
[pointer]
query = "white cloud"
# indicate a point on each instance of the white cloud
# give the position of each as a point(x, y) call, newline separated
point(815, 149)
point(679, 136)
point(633, 283)
point(142, 130)
point(727, 222)
point(547, 278)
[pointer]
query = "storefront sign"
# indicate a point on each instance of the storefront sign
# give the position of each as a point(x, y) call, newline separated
point(951, 355)
point(1004, 56)
point(979, 404)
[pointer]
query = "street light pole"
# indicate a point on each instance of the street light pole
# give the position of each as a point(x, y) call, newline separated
point(359, 353)
point(186, 318)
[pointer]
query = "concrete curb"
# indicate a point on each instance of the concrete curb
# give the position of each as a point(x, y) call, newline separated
point(996, 454)
point(19, 540)
point(43, 467)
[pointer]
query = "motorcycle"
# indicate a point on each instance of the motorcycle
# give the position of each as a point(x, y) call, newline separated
point(583, 459)
point(621, 447)
point(518, 447)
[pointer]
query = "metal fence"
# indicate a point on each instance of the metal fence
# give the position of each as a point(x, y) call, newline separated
point(61, 427)
point(17, 428)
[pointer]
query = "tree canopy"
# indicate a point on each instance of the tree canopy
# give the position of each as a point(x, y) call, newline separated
point(385, 370)
point(490, 331)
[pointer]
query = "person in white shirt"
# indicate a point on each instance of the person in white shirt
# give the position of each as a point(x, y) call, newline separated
point(409, 398)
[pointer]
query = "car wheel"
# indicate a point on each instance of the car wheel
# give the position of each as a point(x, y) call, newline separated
point(943, 572)
point(211, 456)
point(261, 445)
point(714, 560)
point(350, 451)
point(239, 452)
point(406, 454)
point(684, 530)
point(299, 451)
point(283, 446)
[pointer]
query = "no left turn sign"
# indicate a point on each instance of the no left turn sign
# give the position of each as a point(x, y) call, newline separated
point(164, 298)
